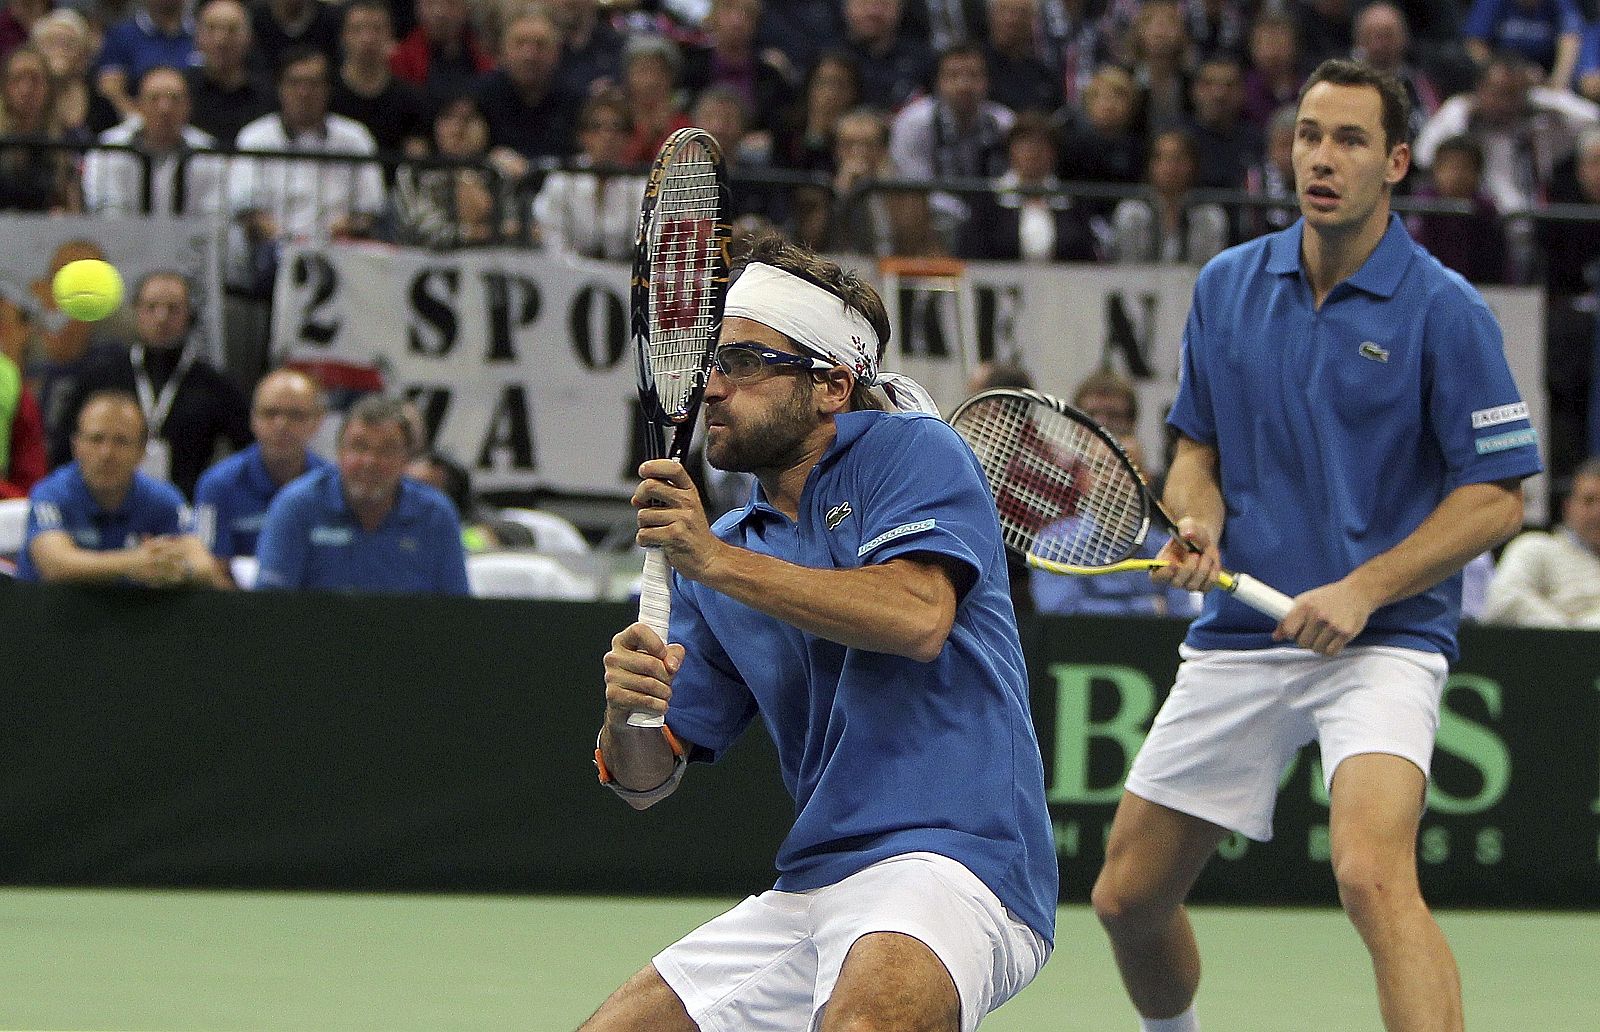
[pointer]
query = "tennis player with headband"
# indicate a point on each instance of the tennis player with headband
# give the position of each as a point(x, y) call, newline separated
point(858, 604)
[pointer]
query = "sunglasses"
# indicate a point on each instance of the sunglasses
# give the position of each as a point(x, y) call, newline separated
point(745, 361)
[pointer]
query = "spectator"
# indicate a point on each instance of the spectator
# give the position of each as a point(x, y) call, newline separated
point(232, 496)
point(1586, 76)
point(1075, 43)
point(800, 30)
point(30, 179)
point(114, 181)
point(281, 199)
point(17, 20)
point(651, 69)
point(1033, 227)
point(944, 23)
point(894, 64)
point(1103, 143)
point(1217, 28)
point(1572, 284)
point(64, 39)
point(1326, 28)
point(1525, 131)
point(191, 409)
point(281, 27)
point(858, 220)
point(731, 61)
point(365, 90)
point(226, 93)
point(1111, 400)
point(588, 213)
point(444, 207)
point(1382, 39)
point(530, 116)
point(958, 133)
point(1273, 79)
point(22, 451)
point(1546, 33)
point(1158, 44)
point(362, 525)
point(1227, 144)
point(1164, 227)
point(1273, 177)
point(1019, 76)
point(591, 47)
point(1474, 244)
point(755, 206)
point(157, 33)
point(1553, 580)
point(481, 529)
point(442, 55)
point(100, 518)
point(805, 143)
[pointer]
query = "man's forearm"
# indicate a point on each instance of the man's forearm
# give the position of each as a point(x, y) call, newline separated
point(1471, 520)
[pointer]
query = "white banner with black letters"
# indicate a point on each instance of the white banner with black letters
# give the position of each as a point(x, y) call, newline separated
point(522, 366)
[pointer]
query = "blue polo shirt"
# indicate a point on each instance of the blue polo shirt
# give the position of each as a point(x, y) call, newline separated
point(231, 500)
point(1531, 31)
point(61, 501)
point(134, 46)
point(1340, 430)
point(311, 539)
point(883, 755)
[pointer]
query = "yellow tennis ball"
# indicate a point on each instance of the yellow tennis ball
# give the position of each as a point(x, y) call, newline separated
point(88, 289)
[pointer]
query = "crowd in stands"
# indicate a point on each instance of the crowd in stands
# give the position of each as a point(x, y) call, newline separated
point(499, 120)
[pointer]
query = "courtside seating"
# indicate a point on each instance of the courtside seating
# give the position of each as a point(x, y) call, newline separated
point(551, 533)
point(13, 524)
point(527, 575)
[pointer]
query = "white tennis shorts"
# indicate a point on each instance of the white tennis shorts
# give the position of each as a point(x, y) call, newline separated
point(770, 963)
point(1235, 720)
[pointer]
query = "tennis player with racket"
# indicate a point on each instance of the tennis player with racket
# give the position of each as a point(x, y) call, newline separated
point(1351, 434)
point(858, 605)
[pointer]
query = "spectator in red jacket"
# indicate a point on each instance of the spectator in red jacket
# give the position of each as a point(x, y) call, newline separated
point(442, 55)
point(22, 452)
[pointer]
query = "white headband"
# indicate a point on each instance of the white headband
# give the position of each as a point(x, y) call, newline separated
point(823, 325)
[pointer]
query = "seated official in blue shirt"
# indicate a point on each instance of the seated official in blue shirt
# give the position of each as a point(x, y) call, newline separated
point(361, 525)
point(99, 519)
point(232, 497)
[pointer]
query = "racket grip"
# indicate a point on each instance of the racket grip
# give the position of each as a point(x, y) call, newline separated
point(1261, 597)
point(655, 612)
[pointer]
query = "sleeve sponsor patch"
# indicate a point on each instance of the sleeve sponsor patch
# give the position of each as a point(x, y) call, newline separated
point(1487, 417)
point(898, 532)
point(1506, 441)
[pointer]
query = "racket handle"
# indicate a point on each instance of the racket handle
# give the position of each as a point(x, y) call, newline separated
point(655, 612)
point(1261, 597)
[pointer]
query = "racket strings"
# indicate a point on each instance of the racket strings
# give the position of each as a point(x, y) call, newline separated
point(1062, 493)
point(684, 251)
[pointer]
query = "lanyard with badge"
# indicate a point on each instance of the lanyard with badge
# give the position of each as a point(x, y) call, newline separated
point(158, 452)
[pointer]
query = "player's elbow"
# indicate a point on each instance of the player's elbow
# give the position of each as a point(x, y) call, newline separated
point(1508, 511)
point(926, 637)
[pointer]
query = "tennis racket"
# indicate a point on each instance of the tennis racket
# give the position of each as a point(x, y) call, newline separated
point(680, 277)
point(1070, 500)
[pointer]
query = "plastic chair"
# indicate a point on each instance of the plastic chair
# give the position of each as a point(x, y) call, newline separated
point(13, 524)
point(551, 533)
point(526, 575)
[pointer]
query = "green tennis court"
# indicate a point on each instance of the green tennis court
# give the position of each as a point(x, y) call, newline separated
point(148, 960)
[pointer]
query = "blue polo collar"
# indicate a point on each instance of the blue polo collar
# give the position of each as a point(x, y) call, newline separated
point(1379, 275)
point(80, 487)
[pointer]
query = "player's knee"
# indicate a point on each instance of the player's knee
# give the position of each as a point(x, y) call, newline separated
point(892, 1019)
point(1371, 889)
point(1119, 904)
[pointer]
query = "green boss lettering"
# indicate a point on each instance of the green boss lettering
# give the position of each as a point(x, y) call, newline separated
point(1075, 730)
point(1474, 744)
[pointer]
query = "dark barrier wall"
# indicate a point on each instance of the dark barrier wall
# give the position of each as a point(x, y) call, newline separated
point(370, 743)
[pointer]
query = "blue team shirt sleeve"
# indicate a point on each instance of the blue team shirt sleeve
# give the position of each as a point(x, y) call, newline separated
point(213, 520)
point(711, 705)
point(449, 554)
point(117, 52)
point(1192, 414)
point(907, 510)
point(1589, 52)
point(1569, 19)
point(285, 542)
point(1474, 407)
point(1482, 19)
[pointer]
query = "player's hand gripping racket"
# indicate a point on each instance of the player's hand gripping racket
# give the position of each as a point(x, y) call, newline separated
point(1070, 500)
point(680, 277)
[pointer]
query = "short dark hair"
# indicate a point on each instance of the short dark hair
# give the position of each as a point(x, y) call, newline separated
point(116, 396)
point(1109, 381)
point(1464, 145)
point(376, 410)
point(772, 249)
point(299, 55)
point(162, 274)
point(1345, 71)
